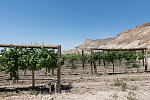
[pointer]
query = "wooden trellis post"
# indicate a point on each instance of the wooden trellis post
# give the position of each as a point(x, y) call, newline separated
point(143, 58)
point(83, 60)
point(53, 71)
point(146, 59)
point(104, 60)
point(59, 72)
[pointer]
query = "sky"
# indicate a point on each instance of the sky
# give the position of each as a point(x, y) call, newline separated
point(68, 22)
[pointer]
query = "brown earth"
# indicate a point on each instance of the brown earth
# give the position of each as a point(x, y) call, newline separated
point(80, 84)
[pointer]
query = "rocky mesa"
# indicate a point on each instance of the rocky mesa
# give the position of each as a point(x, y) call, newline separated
point(138, 37)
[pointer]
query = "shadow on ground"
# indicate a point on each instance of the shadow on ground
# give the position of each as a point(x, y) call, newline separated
point(39, 89)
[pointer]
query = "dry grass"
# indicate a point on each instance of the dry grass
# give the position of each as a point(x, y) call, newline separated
point(120, 83)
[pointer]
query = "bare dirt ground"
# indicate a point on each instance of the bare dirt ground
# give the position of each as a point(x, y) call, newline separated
point(80, 85)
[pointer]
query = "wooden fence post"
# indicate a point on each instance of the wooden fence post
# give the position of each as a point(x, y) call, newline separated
point(104, 59)
point(143, 58)
point(83, 60)
point(53, 71)
point(146, 59)
point(59, 72)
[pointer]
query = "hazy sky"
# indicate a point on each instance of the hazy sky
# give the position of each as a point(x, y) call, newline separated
point(68, 22)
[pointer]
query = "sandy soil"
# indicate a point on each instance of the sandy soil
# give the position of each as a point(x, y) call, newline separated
point(80, 85)
point(92, 87)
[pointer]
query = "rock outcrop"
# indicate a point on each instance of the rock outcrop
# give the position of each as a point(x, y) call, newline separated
point(138, 37)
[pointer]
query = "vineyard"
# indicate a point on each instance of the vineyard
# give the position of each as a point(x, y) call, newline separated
point(44, 66)
point(108, 59)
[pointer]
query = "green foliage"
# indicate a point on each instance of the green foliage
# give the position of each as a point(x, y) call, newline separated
point(84, 57)
point(72, 59)
point(129, 56)
point(141, 56)
point(47, 59)
point(96, 56)
point(15, 58)
point(10, 60)
point(135, 66)
point(61, 61)
point(111, 56)
point(90, 59)
point(119, 55)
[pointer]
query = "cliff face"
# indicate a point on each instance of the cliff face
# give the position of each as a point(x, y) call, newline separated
point(137, 37)
point(94, 43)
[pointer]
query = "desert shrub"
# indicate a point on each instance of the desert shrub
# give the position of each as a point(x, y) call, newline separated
point(120, 83)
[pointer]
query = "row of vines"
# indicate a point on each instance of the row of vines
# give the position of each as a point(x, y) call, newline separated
point(14, 59)
point(106, 58)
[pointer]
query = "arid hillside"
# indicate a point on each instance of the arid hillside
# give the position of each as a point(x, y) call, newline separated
point(137, 37)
